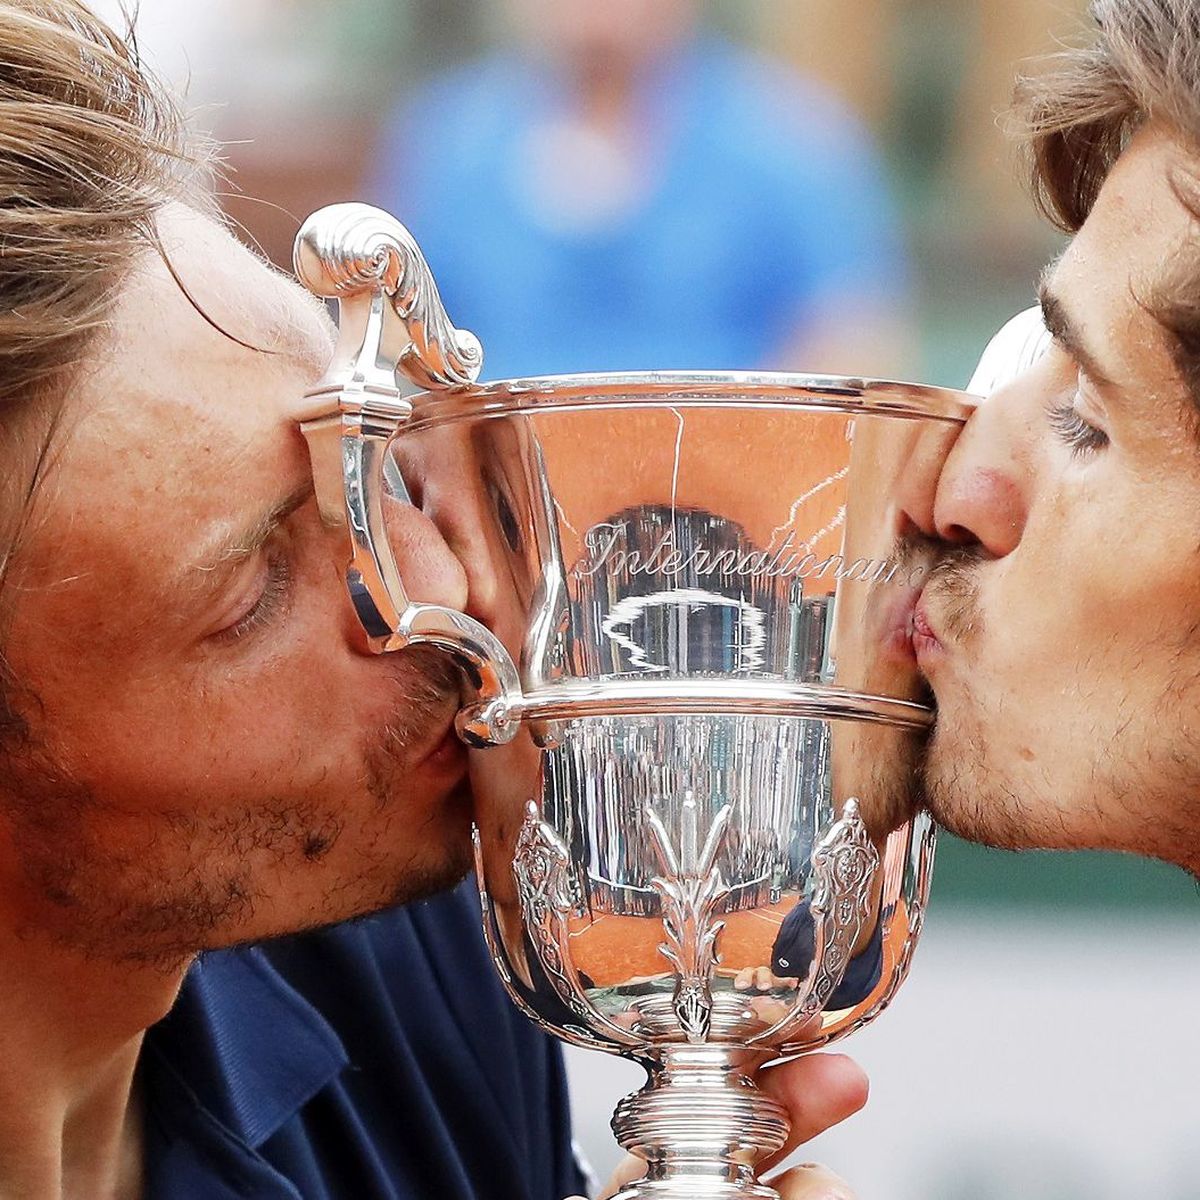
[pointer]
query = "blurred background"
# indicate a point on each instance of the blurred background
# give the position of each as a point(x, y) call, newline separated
point(811, 184)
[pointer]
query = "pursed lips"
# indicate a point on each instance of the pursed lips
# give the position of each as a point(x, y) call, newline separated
point(448, 751)
point(925, 641)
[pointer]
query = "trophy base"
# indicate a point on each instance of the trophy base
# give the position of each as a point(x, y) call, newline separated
point(695, 1187)
point(701, 1124)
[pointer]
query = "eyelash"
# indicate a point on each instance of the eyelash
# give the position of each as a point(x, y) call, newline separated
point(1080, 436)
point(274, 594)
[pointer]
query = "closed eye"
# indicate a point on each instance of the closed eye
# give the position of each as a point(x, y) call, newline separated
point(1080, 436)
point(270, 600)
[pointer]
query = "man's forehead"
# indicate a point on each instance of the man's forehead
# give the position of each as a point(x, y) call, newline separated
point(1140, 220)
point(1127, 251)
point(180, 432)
point(239, 294)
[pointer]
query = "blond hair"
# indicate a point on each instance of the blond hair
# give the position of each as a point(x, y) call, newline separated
point(90, 149)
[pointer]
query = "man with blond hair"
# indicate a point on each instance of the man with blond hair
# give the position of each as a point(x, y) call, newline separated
point(197, 751)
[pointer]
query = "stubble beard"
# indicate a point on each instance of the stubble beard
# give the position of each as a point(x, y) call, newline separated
point(442, 854)
point(953, 778)
point(159, 902)
point(973, 787)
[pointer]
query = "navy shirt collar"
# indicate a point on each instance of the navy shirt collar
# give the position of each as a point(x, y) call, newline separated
point(242, 1046)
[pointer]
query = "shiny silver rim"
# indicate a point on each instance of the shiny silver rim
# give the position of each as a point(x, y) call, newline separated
point(690, 389)
point(637, 697)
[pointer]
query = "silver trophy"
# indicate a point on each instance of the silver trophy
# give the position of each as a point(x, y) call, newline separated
point(691, 687)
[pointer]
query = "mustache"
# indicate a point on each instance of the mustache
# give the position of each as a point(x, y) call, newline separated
point(428, 682)
point(914, 551)
point(951, 578)
point(954, 581)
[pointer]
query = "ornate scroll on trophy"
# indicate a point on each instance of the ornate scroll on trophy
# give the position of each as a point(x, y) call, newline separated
point(690, 684)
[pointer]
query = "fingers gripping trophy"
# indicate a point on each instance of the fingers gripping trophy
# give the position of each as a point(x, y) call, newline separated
point(691, 692)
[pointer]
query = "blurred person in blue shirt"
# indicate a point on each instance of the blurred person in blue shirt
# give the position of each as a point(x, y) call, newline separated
point(620, 190)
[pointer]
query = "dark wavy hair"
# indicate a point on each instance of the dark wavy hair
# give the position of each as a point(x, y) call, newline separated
point(1078, 114)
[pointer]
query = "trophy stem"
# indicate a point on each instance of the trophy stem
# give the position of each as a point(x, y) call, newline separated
point(701, 1123)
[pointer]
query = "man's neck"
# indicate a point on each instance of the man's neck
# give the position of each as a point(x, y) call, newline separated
point(71, 1029)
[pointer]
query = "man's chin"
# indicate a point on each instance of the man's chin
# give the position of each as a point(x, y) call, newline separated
point(446, 859)
point(375, 877)
point(967, 797)
point(433, 882)
point(417, 882)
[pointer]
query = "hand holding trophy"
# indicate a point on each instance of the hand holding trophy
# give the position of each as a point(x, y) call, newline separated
point(693, 692)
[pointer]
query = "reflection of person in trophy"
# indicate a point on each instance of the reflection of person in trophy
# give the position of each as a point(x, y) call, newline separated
point(197, 750)
point(672, 562)
point(485, 487)
point(478, 484)
point(705, 577)
point(890, 476)
point(882, 564)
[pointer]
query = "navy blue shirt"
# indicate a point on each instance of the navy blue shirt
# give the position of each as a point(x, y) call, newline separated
point(377, 1060)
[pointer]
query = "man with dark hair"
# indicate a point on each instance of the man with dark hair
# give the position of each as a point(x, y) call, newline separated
point(198, 751)
point(1060, 635)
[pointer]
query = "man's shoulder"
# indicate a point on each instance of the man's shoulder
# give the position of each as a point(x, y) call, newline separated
point(415, 980)
point(318, 1040)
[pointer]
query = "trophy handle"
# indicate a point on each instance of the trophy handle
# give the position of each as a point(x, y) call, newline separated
point(395, 340)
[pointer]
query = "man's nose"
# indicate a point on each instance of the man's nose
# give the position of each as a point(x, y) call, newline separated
point(443, 473)
point(429, 569)
point(920, 465)
point(981, 497)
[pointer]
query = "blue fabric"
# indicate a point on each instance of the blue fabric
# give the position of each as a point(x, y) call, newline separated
point(768, 201)
point(377, 1060)
point(796, 944)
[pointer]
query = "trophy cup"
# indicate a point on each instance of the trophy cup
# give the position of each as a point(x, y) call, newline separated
point(690, 691)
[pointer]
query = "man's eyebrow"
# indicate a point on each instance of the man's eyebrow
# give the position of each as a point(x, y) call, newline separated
point(1066, 333)
point(252, 537)
point(1172, 302)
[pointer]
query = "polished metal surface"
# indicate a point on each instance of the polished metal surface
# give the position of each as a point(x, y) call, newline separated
point(394, 338)
point(1011, 352)
point(690, 682)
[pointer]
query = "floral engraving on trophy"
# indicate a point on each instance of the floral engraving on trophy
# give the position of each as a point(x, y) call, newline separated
point(548, 894)
point(691, 888)
point(844, 866)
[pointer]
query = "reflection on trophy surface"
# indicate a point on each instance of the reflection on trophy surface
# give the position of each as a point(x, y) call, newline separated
point(692, 688)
